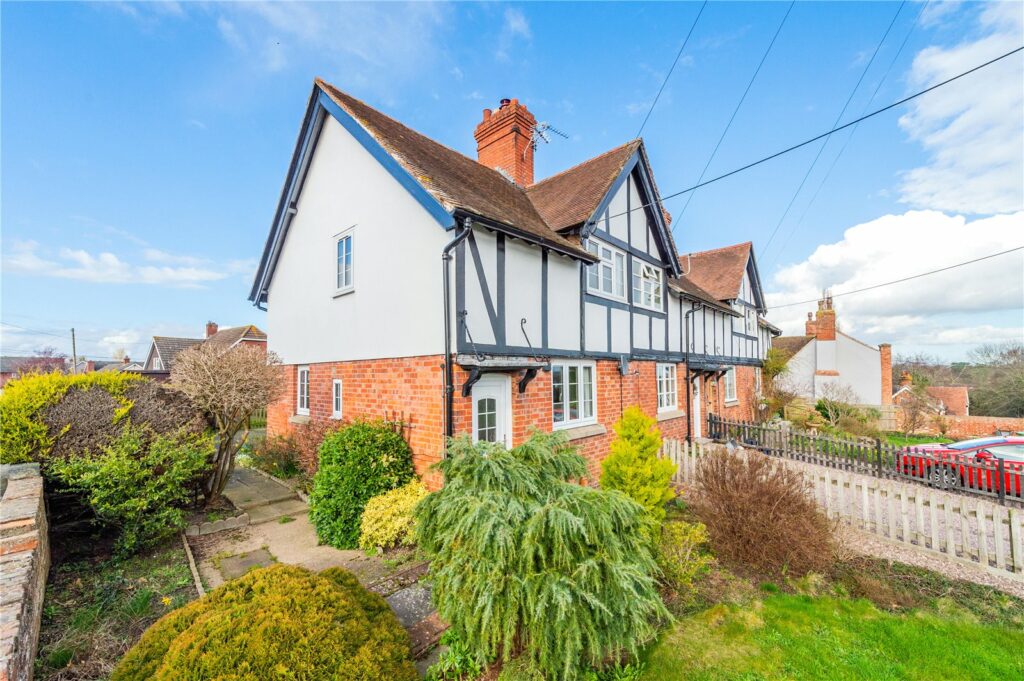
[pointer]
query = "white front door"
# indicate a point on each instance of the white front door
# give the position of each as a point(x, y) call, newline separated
point(695, 410)
point(492, 418)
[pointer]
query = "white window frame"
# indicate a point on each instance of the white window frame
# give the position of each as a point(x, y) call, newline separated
point(668, 387)
point(563, 368)
point(299, 384)
point(342, 287)
point(616, 267)
point(729, 381)
point(750, 321)
point(336, 398)
point(656, 293)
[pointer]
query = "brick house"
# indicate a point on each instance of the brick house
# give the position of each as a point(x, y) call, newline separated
point(557, 303)
point(944, 400)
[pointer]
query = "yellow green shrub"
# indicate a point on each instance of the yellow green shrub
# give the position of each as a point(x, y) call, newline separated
point(634, 467)
point(280, 622)
point(683, 556)
point(388, 518)
point(24, 435)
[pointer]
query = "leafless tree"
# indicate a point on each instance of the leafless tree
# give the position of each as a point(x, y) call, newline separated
point(43, 360)
point(837, 400)
point(916, 407)
point(229, 385)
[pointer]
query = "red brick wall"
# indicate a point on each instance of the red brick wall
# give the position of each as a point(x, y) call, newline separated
point(745, 406)
point(964, 427)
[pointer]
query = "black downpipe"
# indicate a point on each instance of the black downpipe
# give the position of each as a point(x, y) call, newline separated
point(689, 382)
point(449, 373)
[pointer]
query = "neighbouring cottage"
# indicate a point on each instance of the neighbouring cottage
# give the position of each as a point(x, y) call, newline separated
point(944, 400)
point(165, 349)
point(403, 279)
point(13, 366)
point(825, 356)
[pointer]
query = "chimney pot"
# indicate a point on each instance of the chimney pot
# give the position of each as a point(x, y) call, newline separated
point(487, 114)
point(505, 101)
point(211, 328)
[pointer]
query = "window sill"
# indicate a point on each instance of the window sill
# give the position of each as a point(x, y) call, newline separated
point(732, 403)
point(671, 414)
point(298, 419)
point(607, 296)
point(344, 292)
point(581, 432)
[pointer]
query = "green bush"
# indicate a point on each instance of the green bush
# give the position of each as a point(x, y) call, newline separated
point(139, 484)
point(524, 562)
point(633, 467)
point(388, 518)
point(358, 462)
point(24, 433)
point(683, 556)
point(276, 455)
point(280, 622)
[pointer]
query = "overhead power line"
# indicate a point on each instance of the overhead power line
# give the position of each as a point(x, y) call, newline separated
point(900, 281)
point(65, 336)
point(814, 139)
point(849, 138)
point(673, 68)
point(738, 105)
point(824, 144)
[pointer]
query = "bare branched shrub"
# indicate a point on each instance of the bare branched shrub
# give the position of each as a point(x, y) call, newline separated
point(229, 385)
point(760, 515)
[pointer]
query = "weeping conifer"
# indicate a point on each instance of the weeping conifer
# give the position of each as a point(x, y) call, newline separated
point(526, 562)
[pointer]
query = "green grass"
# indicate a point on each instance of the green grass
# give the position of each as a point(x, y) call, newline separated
point(96, 608)
point(799, 637)
point(900, 440)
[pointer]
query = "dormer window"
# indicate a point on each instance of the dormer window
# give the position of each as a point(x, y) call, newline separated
point(608, 276)
point(343, 281)
point(647, 285)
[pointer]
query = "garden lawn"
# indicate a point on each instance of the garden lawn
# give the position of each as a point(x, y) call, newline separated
point(98, 607)
point(900, 440)
point(802, 637)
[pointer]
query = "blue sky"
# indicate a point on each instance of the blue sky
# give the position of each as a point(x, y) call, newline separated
point(144, 145)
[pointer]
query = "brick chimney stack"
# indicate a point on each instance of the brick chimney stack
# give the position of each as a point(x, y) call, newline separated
point(503, 141)
point(885, 359)
point(906, 379)
point(823, 325)
point(211, 328)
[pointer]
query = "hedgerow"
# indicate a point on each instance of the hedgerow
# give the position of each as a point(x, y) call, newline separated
point(280, 622)
point(24, 433)
point(388, 518)
point(358, 462)
point(523, 561)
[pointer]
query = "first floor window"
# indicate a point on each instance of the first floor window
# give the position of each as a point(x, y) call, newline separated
point(607, 277)
point(343, 273)
point(336, 398)
point(667, 396)
point(302, 404)
point(572, 394)
point(646, 285)
point(730, 385)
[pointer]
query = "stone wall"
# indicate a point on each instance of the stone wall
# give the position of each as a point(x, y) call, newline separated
point(24, 562)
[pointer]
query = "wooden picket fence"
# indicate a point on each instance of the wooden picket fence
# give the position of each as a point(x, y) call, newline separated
point(959, 528)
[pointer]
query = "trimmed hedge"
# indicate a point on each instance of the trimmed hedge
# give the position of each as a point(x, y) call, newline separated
point(358, 462)
point(280, 622)
point(388, 518)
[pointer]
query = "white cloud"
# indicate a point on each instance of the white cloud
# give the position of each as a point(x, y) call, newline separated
point(514, 29)
point(949, 308)
point(971, 129)
point(25, 257)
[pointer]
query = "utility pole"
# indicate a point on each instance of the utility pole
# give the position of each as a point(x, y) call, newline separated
point(74, 353)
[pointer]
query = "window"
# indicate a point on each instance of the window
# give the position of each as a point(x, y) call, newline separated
point(646, 285)
point(302, 404)
point(751, 321)
point(158, 365)
point(607, 277)
point(667, 396)
point(572, 394)
point(487, 419)
point(343, 272)
point(336, 398)
point(730, 385)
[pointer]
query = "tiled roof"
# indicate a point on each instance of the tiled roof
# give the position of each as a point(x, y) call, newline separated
point(169, 347)
point(10, 364)
point(572, 196)
point(456, 181)
point(687, 287)
point(718, 271)
point(228, 337)
point(954, 397)
point(790, 345)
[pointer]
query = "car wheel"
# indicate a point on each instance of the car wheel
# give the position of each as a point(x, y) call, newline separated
point(942, 476)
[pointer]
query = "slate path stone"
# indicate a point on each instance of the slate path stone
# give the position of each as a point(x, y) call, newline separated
point(411, 604)
point(236, 566)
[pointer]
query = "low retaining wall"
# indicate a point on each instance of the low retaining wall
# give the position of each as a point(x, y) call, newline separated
point(958, 528)
point(24, 563)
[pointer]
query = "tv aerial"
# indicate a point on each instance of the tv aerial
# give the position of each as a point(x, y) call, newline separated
point(542, 133)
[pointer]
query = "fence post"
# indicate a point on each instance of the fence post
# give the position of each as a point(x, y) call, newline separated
point(878, 457)
point(1000, 478)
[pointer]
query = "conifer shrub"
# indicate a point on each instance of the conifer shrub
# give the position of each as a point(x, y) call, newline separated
point(388, 519)
point(760, 515)
point(634, 467)
point(280, 622)
point(525, 562)
point(357, 462)
point(140, 483)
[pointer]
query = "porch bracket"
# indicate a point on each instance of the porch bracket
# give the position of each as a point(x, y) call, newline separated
point(474, 375)
point(525, 380)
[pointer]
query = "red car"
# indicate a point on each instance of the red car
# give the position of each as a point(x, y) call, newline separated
point(973, 464)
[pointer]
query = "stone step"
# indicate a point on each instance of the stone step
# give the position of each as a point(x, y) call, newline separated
point(274, 511)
